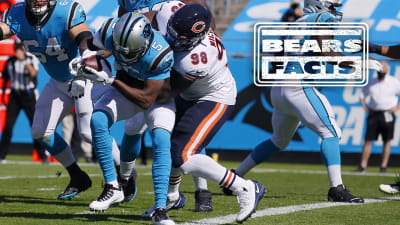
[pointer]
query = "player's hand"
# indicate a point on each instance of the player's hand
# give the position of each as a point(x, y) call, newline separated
point(77, 87)
point(76, 63)
point(74, 66)
point(374, 65)
point(103, 77)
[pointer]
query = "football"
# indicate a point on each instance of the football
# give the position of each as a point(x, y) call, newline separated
point(96, 62)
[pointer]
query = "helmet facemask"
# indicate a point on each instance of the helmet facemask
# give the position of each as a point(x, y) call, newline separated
point(40, 7)
point(181, 43)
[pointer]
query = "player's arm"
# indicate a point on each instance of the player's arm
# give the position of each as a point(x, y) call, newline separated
point(81, 33)
point(143, 97)
point(180, 82)
point(389, 51)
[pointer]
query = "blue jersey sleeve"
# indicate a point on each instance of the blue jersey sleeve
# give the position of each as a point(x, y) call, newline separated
point(327, 18)
point(164, 68)
point(76, 15)
point(103, 36)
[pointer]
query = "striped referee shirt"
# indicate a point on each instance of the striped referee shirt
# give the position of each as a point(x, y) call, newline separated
point(19, 77)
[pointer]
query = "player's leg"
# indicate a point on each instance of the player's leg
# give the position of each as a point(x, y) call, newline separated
point(13, 109)
point(53, 104)
point(160, 119)
point(130, 149)
point(29, 108)
point(317, 114)
point(202, 196)
point(108, 111)
point(192, 132)
point(97, 91)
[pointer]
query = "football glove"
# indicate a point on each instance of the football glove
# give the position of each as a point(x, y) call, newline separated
point(374, 65)
point(102, 77)
point(77, 87)
point(76, 63)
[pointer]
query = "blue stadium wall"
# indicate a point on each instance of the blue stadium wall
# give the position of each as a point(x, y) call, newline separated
point(251, 121)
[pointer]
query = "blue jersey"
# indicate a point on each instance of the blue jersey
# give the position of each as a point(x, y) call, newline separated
point(154, 65)
point(141, 6)
point(318, 17)
point(51, 44)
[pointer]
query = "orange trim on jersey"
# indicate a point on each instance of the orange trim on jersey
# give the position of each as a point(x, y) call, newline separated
point(228, 179)
point(200, 128)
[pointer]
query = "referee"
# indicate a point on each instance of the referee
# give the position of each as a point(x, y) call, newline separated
point(383, 92)
point(21, 71)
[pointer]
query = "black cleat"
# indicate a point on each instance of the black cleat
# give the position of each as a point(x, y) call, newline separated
point(129, 188)
point(160, 217)
point(76, 185)
point(341, 194)
point(203, 201)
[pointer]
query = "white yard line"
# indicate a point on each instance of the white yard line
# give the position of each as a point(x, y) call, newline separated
point(320, 172)
point(283, 210)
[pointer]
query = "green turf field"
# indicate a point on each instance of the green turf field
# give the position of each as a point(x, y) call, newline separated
point(28, 196)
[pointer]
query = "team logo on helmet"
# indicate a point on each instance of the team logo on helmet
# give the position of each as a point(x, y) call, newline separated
point(199, 26)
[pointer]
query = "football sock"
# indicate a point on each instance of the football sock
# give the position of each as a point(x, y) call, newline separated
point(204, 166)
point(115, 153)
point(73, 169)
point(161, 168)
point(261, 153)
point(66, 158)
point(58, 148)
point(174, 182)
point(114, 183)
point(200, 183)
point(130, 147)
point(126, 169)
point(102, 143)
point(330, 153)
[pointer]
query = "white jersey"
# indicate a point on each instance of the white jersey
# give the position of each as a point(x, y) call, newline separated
point(206, 65)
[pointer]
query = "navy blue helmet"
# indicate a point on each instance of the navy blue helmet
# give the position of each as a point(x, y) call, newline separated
point(188, 26)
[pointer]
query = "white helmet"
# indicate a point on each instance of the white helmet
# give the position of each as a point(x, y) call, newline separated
point(312, 6)
point(45, 5)
point(131, 38)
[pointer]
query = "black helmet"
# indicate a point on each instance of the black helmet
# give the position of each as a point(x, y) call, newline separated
point(188, 26)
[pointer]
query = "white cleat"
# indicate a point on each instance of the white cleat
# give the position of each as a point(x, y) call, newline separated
point(248, 198)
point(109, 196)
point(390, 188)
point(160, 217)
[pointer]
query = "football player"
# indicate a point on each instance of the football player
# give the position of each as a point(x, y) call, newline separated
point(134, 127)
point(306, 104)
point(143, 62)
point(54, 31)
point(207, 95)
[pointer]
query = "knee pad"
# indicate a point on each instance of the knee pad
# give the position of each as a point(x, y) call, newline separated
point(281, 142)
point(135, 125)
point(37, 132)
